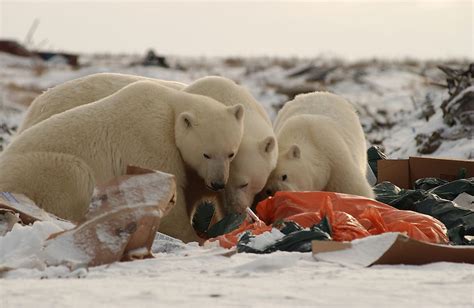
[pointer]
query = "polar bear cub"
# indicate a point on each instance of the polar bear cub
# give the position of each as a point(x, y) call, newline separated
point(258, 152)
point(57, 162)
point(81, 91)
point(321, 147)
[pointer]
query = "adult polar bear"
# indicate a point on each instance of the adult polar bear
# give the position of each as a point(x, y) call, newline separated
point(321, 147)
point(89, 89)
point(257, 154)
point(57, 162)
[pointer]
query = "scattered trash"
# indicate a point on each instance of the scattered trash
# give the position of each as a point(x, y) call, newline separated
point(59, 57)
point(293, 238)
point(404, 172)
point(389, 248)
point(437, 202)
point(122, 224)
point(151, 59)
point(15, 48)
point(464, 201)
point(349, 217)
point(374, 154)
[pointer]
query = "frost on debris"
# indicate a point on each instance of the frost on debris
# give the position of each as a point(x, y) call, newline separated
point(363, 252)
point(166, 244)
point(264, 240)
point(63, 250)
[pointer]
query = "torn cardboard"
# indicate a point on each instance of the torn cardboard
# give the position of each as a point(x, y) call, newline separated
point(122, 226)
point(404, 172)
point(28, 212)
point(389, 248)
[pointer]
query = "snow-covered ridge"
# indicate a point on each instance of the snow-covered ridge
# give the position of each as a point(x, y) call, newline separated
point(391, 97)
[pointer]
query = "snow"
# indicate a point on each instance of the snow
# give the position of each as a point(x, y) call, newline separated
point(22, 246)
point(207, 279)
point(363, 252)
point(64, 251)
point(262, 241)
point(389, 96)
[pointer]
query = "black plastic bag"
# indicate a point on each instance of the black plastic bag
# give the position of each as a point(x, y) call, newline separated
point(202, 220)
point(458, 221)
point(452, 189)
point(297, 238)
point(375, 153)
point(429, 183)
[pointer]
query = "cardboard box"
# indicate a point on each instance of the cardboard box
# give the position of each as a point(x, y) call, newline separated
point(121, 226)
point(404, 172)
point(389, 248)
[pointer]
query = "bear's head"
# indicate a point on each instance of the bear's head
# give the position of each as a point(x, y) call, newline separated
point(249, 172)
point(208, 141)
point(297, 171)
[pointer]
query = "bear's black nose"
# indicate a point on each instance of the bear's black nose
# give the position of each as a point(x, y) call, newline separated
point(217, 186)
point(269, 192)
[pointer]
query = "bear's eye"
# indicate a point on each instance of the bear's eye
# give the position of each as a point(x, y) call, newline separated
point(244, 185)
point(231, 155)
point(284, 177)
point(206, 156)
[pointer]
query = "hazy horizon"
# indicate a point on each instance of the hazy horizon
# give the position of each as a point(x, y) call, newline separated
point(348, 29)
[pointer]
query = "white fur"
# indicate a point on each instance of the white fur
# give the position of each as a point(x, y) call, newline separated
point(321, 147)
point(57, 162)
point(258, 151)
point(81, 91)
point(253, 163)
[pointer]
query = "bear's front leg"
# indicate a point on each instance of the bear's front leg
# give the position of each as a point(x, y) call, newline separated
point(61, 184)
point(178, 223)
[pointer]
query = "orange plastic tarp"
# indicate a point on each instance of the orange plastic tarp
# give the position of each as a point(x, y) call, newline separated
point(351, 217)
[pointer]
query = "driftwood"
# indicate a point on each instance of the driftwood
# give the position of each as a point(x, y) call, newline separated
point(292, 90)
point(313, 73)
point(15, 48)
point(459, 106)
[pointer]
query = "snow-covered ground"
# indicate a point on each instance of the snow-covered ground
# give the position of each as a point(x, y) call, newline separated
point(187, 275)
point(391, 98)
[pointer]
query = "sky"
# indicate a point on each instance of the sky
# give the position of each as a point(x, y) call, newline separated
point(350, 29)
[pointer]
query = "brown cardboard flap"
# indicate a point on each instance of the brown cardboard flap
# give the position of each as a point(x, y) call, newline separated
point(328, 246)
point(122, 226)
point(390, 248)
point(396, 171)
point(409, 251)
point(404, 172)
point(446, 169)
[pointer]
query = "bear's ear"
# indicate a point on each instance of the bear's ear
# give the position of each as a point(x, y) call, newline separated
point(294, 152)
point(187, 119)
point(237, 111)
point(268, 144)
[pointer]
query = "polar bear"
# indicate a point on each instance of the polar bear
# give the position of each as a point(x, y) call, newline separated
point(58, 161)
point(258, 153)
point(81, 91)
point(321, 147)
